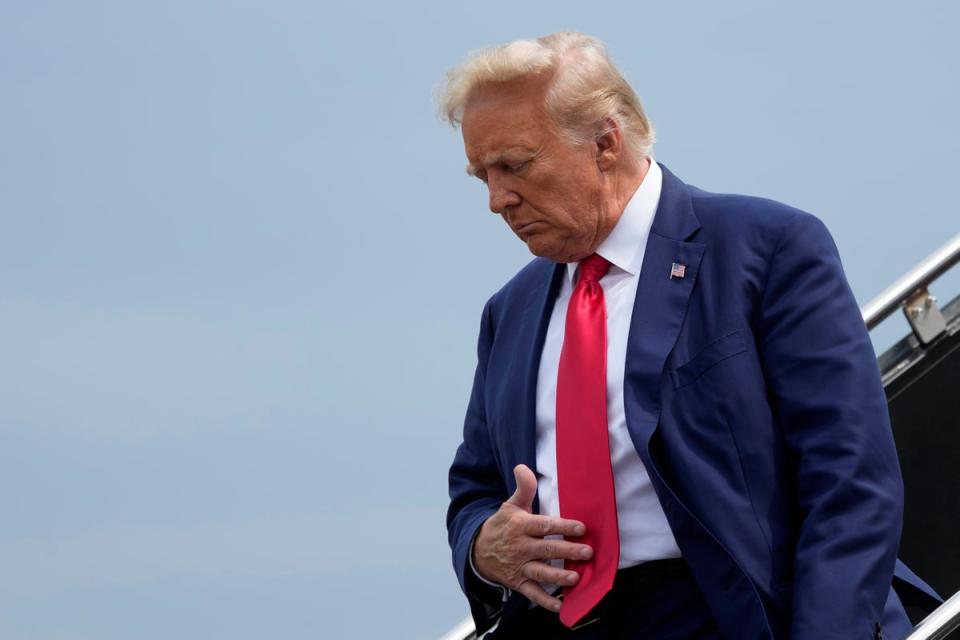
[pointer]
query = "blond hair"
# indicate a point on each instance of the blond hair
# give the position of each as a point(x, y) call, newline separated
point(586, 91)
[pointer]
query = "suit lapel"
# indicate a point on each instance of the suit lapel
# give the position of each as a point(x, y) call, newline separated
point(658, 314)
point(660, 306)
point(533, 333)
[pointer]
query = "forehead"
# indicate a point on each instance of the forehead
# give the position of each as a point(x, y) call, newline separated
point(502, 116)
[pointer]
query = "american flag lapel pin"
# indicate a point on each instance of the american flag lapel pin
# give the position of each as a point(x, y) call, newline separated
point(677, 270)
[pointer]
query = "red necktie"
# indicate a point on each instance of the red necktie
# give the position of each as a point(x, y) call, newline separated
point(584, 476)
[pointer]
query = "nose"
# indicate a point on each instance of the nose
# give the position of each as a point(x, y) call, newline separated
point(501, 196)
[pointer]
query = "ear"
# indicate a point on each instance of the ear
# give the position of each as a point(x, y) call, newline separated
point(609, 145)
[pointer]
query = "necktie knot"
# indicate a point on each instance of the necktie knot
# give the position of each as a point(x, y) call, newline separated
point(593, 267)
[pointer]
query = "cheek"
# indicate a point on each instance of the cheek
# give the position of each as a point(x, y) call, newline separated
point(571, 211)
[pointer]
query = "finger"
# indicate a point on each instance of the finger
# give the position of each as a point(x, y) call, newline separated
point(526, 488)
point(541, 526)
point(535, 593)
point(543, 572)
point(559, 550)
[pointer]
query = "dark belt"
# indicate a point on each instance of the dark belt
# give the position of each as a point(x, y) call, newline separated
point(630, 582)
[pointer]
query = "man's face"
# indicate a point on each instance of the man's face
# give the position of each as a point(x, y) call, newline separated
point(547, 190)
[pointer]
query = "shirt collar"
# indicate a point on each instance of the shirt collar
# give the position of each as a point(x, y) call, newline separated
point(625, 245)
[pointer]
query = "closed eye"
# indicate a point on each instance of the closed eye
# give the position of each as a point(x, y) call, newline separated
point(514, 168)
point(517, 167)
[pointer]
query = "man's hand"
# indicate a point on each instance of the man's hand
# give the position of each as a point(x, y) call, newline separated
point(511, 550)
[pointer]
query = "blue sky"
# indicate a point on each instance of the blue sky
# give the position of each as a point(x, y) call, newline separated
point(242, 270)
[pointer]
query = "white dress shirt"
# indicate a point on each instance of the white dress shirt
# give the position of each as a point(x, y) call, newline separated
point(644, 531)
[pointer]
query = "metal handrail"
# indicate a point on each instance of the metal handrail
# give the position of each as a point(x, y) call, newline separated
point(462, 631)
point(940, 623)
point(935, 265)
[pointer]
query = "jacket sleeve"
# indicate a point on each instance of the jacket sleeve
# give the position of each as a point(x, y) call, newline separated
point(476, 489)
point(825, 389)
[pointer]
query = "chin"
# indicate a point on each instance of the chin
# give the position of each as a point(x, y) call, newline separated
point(542, 245)
point(545, 251)
point(535, 247)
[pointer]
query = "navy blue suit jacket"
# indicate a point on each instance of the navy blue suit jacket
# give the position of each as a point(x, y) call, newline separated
point(753, 397)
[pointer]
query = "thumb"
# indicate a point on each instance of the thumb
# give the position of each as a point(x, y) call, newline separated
point(526, 488)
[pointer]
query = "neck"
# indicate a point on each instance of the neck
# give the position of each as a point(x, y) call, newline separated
point(623, 184)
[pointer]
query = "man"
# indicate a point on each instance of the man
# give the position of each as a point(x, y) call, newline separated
point(677, 427)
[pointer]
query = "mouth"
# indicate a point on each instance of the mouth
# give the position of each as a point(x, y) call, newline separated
point(523, 227)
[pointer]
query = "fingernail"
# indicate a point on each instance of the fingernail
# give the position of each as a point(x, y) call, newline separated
point(586, 552)
point(555, 606)
point(578, 530)
point(572, 577)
